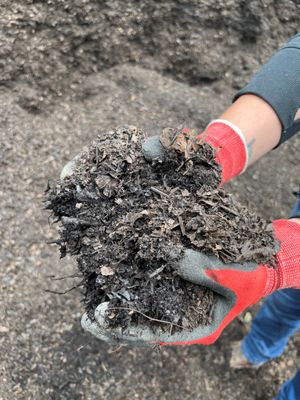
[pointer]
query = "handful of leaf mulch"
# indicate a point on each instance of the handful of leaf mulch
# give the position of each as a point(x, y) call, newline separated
point(127, 222)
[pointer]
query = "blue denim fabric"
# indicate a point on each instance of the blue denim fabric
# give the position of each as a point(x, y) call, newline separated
point(296, 210)
point(295, 213)
point(277, 320)
point(290, 390)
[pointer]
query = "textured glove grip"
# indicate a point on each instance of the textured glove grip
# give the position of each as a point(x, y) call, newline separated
point(287, 274)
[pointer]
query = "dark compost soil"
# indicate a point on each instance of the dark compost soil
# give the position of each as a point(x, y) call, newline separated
point(128, 221)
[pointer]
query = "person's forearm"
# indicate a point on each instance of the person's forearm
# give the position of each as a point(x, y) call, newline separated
point(265, 109)
point(262, 115)
point(278, 84)
point(258, 123)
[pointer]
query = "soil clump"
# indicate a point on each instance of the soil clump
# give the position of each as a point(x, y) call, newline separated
point(128, 222)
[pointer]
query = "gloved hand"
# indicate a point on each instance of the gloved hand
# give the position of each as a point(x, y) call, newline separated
point(236, 286)
point(224, 137)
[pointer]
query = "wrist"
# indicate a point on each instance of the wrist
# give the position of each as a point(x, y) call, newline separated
point(230, 145)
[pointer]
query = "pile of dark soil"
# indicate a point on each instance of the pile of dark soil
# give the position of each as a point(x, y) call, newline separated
point(49, 47)
point(128, 221)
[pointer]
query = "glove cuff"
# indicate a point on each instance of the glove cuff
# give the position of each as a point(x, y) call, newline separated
point(230, 145)
point(287, 275)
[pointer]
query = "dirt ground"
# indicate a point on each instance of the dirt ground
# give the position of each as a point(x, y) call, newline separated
point(73, 69)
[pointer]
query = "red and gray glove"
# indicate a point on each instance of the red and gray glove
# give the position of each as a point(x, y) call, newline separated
point(236, 286)
point(227, 139)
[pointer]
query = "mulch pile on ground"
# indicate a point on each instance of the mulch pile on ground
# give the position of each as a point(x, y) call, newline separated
point(128, 221)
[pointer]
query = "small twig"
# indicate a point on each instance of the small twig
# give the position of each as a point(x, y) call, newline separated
point(118, 349)
point(174, 227)
point(158, 191)
point(97, 157)
point(180, 166)
point(58, 241)
point(195, 309)
point(184, 162)
point(114, 176)
point(157, 271)
point(165, 183)
point(182, 228)
point(209, 203)
point(229, 210)
point(66, 291)
point(109, 167)
point(174, 190)
point(147, 316)
point(53, 278)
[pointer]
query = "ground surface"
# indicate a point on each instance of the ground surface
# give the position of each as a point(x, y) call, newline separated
point(69, 70)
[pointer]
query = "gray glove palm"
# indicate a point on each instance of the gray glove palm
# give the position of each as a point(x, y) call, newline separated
point(192, 267)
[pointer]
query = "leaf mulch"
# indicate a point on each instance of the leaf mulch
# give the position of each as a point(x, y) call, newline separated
point(128, 221)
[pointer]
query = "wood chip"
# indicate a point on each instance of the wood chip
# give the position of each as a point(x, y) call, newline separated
point(106, 271)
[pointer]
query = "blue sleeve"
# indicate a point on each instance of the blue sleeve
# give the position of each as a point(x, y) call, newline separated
point(278, 83)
